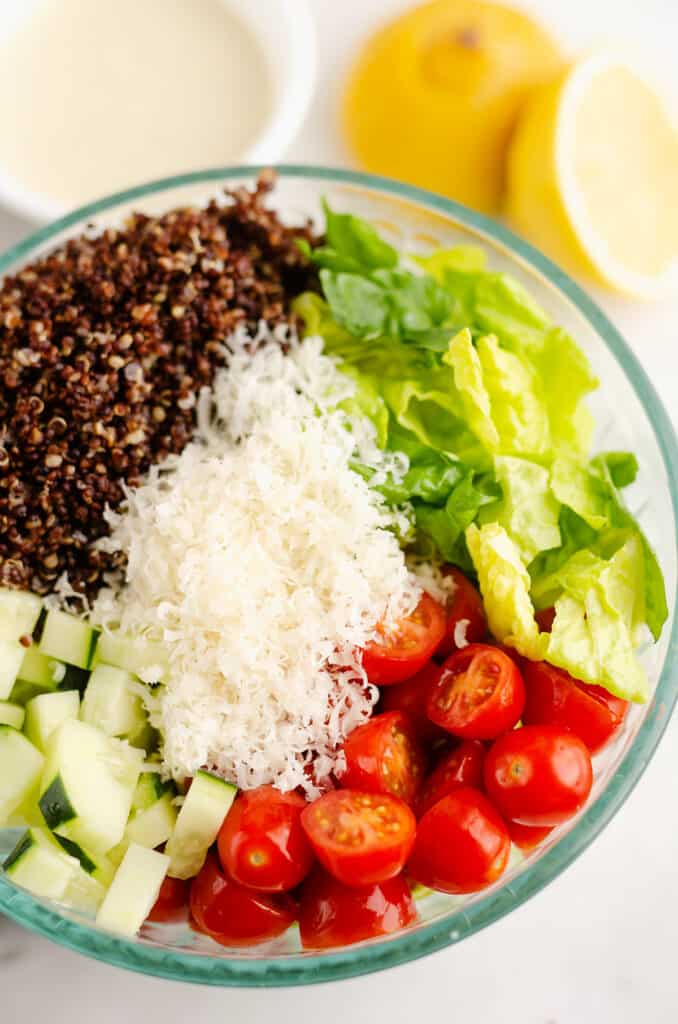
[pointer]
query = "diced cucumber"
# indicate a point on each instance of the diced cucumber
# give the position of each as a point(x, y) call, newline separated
point(110, 704)
point(84, 893)
point(11, 656)
point(133, 891)
point(87, 785)
point(20, 767)
point(37, 863)
point(74, 678)
point(153, 826)
point(149, 789)
point(200, 818)
point(118, 852)
point(67, 638)
point(98, 865)
point(45, 713)
point(145, 737)
point(37, 668)
point(141, 657)
point(19, 612)
point(11, 714)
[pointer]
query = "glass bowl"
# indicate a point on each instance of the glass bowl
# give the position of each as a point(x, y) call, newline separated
point(629, 415)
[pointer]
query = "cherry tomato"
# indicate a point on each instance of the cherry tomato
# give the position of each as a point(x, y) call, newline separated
point(172, 901)
point(538, 775)
point(526, 837)
point(411, 698)
point(462, 766)
point(233, 915)
point(545, 619)
point(401, 652)
point(465, 609)
point(462, 844)
point(332, 914)
point(383, 756)
point(261, 842)
point(555, 698)
point(479, 693)
point(361, 838)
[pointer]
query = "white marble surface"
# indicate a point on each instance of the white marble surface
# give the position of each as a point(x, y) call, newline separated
point(599, 945)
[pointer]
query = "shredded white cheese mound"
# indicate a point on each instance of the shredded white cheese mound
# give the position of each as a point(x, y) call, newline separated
point(263, 562)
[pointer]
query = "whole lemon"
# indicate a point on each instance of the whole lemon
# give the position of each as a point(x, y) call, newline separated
point(433, 97)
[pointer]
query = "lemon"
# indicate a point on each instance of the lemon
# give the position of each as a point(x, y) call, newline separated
point(434, 96)
point(593, 177)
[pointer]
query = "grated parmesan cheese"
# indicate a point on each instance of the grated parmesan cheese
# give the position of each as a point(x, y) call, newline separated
point(262, 563)
point(460, 633)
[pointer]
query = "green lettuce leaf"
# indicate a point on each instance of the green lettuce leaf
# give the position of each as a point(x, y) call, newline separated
point(505, 585)
point(462, 356)
point(517, 410)
point(528, 510)
point(352, 245)
point(590, 491)
point(598, 615)
point(445, 525)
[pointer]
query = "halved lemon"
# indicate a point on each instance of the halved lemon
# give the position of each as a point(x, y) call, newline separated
point(593, 177)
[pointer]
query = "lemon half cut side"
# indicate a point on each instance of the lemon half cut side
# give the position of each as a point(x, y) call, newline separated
point(593, 177)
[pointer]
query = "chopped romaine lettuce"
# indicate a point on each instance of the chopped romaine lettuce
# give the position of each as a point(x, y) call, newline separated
point(505, 585)
point(462, 371)
point(528, 510)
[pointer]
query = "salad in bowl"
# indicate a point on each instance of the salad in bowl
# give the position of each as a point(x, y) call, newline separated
point(323, 610)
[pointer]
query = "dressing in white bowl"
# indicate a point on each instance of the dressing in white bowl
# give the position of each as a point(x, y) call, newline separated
point(100, 96)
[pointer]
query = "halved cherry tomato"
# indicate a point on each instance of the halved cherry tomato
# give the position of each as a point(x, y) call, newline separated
point(261, 842)
point(172, 901)
point(555, 698)
point(411, 697)
point(526, 837)
point(538, 775)
point(462, 844)
point(332, 914)
point(545, 619)
point(383, 756)
point(233, 915)
point(462, 766)
point(401, 652)
point(361, 838)
point(464, 610)
point(479, 693)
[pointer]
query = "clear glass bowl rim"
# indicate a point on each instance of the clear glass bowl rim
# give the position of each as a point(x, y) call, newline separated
point(458, 924)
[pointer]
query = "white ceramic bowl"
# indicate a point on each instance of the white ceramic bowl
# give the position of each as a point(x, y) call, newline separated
point(285, 32)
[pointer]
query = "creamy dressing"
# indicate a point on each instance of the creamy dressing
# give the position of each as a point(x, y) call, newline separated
point(102, 94)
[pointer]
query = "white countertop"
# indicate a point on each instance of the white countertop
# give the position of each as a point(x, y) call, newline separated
point(599, 945)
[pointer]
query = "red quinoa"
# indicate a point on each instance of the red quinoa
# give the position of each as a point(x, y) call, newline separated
point(103, 345)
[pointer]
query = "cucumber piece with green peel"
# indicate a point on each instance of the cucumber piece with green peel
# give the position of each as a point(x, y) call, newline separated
point(19, 612)
point(11, 656)
point(46, 712)
point(97, 865)
point(39, 865)
point(87, 785)
point(68, 638)
point(12, 714)
point(38, 668)
point(149, 789)
point(110, 703)
point(133, 891)
point(21, 765)
point(201, 815)
point(155, 825)
point(141, 657)
point(84, 893)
